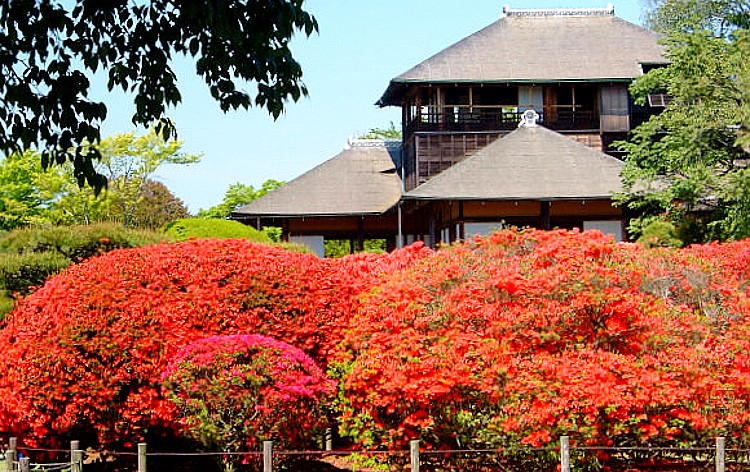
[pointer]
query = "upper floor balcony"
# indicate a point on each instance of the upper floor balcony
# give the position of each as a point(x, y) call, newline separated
point(496, 118)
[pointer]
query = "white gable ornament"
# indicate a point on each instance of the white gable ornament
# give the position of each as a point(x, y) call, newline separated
point(529, 119)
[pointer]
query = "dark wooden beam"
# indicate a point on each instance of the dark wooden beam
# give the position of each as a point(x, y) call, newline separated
point(544, 219)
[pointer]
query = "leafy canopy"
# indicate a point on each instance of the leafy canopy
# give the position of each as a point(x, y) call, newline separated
point(27, 190)
point(390, 133)
point(239, 194)
point(689, 16)
point(48, 48)
point(30, 194)
point(689, 163)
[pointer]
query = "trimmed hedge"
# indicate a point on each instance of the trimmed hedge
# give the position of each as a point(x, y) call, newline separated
point(28, 256)
point(19, 273)
point(79, 242)
point(186, 229)
point(206, 228)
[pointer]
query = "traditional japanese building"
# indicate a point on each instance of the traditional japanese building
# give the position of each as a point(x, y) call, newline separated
point(513, 125)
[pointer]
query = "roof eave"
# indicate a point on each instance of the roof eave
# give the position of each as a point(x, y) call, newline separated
point(507, 199)
point(251, 216)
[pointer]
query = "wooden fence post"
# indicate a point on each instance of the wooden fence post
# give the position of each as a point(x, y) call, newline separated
point(565, 453)
point(414, 449)
point(720, 443)
point(11, 455)
point(267, 456)
point(74, 464)
point(329, 440)
point(78, 457)
point(23, 464)
point(142, 457)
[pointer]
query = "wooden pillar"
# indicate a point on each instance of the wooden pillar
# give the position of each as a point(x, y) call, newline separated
point(433, 230)
point(285, 230)
point(452, 233)
point(544, 217)
point(361, 234)
point(405, 118)
point(461, 230)
point(720, 461)
point(400, 232)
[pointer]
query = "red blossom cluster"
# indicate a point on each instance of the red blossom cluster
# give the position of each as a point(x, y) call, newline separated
point(82, 357)
point(516, 338)
point(527, 335)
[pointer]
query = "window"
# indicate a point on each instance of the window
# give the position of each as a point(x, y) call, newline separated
point(658, 100)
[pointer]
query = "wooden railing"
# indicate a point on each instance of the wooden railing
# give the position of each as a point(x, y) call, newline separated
point(491, 117)
point(567, 456)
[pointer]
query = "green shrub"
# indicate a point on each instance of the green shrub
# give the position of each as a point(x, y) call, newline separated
point(204, 228)
point(660, 233)
point(6, 305)
point(28, 256)
point(21, 272)
point(77, 243)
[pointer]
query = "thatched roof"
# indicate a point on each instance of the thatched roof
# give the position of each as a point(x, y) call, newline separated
point(361, 180)
point(530, 163)
point(536, 46)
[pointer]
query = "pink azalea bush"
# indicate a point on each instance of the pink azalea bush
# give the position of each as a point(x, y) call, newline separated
point(234, 392)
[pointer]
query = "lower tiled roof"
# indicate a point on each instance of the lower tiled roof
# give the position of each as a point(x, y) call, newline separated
point(530, 163)
point(361, 180)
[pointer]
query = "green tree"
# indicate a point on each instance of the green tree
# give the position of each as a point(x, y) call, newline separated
point(344, 247)
point(390, 133)
point(27, 191)
point(48, 47)
point(688, 164)
point(128, 161)
point(157, 207)
point(238, 194)
point(690, 16)
point(30, 194)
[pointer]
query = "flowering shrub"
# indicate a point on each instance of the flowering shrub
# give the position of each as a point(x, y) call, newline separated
point(233, 392)
point(82, 357)
point(528, 335)
point(516, 338)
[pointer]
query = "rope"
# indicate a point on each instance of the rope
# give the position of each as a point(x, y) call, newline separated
point(50, 467)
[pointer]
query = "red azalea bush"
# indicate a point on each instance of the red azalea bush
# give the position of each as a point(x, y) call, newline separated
point(82, 357)
point(528, 335)
point(516, 338)
point(234, 392)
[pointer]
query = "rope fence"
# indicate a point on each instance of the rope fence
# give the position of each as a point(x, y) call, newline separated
point(714, 458)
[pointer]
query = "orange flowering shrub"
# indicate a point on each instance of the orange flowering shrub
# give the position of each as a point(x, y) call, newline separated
point(519, 337)
point(82, 357)
point(528, 335)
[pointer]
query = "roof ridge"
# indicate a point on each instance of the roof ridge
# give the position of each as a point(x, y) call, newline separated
point(609, 10)
point(372, 143)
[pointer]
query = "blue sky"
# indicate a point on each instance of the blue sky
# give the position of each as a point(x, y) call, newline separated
point(362, 44)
